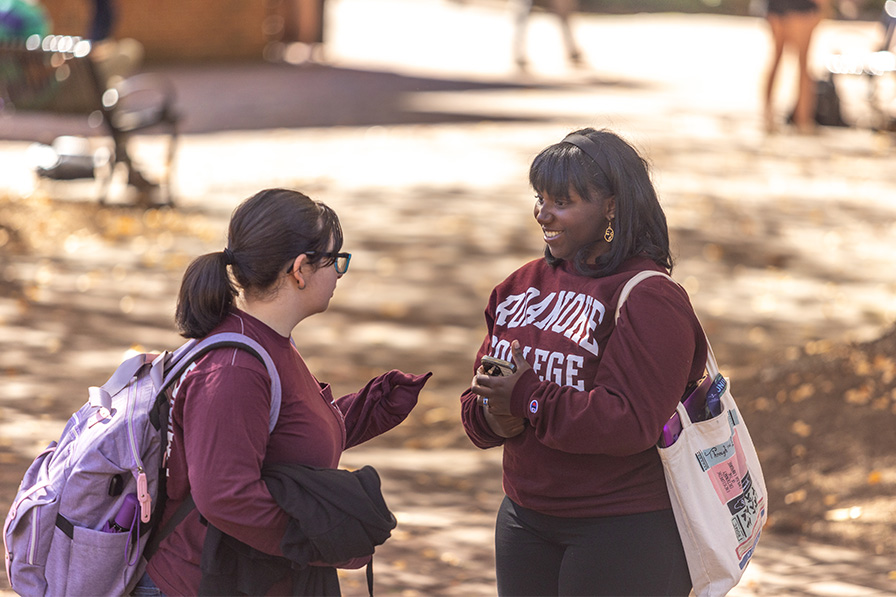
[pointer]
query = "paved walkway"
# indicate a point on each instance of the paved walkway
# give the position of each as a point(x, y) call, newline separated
point(435, 107)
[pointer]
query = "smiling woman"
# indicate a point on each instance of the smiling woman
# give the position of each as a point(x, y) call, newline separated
point(603, 184)
point(587, 511)
point(570, 223)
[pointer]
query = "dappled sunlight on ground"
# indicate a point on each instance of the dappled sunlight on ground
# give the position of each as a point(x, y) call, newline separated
point(784, 244)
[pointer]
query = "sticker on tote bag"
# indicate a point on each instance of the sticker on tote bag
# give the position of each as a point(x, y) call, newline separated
point(727, 469)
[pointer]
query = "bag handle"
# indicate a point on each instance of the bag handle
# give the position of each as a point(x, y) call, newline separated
point(101, 396)
point(712, 366)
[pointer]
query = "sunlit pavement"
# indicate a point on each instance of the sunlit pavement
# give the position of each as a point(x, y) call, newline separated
point(684, 88)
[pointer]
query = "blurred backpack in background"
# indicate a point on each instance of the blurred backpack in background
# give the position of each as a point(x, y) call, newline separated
point(827, 103)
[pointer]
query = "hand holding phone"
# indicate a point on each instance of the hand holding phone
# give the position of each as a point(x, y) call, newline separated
point(497, 367)
point(503, 425)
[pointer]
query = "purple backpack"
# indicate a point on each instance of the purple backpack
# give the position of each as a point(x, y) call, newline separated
point(83, 513)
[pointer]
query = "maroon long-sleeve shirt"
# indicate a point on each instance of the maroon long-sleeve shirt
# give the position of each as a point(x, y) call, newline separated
point(599, 392)
point(220, 441)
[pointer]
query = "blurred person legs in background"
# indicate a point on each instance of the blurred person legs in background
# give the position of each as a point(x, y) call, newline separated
point(303, 31)
point(792, 23)
point(562, 9)
point(103, 19)
point(115, 59)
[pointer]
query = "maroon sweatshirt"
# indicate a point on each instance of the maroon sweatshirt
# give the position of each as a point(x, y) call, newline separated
point(219, 442)
point(598, 394)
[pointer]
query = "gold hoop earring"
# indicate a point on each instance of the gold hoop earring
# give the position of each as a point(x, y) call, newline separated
point(609, 233)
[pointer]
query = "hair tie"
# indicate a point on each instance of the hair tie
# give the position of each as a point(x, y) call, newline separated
point(228, 256)
point(592, 150)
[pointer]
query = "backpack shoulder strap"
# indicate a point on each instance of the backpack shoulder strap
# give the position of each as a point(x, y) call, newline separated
point(194, 350)
point(159, 535)
point(183, 357)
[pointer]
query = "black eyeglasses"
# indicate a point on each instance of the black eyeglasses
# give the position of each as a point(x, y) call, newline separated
point(340, 260)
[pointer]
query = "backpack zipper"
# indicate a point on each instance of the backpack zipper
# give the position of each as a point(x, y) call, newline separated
point(142, 485)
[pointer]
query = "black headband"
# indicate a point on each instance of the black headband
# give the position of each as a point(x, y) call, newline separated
point(592, 150)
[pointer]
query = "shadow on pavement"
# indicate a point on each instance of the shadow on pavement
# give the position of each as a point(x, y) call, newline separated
point(259, 95)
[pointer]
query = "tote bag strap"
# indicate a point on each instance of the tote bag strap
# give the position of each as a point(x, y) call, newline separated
point(712, 366)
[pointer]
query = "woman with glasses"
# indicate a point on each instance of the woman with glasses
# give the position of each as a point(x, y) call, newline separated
point(281, 265)
point(586, 510)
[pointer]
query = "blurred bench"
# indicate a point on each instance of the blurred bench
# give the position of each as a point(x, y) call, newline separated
point(57, 74)
point(878, 67)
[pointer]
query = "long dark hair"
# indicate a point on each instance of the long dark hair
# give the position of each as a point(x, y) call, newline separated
point(639, 222)
point(267, 232)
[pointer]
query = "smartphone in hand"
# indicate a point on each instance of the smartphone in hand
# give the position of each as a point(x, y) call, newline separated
point(497, 367)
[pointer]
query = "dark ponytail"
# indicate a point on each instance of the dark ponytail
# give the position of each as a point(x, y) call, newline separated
point(267, 232)
point(206, 295)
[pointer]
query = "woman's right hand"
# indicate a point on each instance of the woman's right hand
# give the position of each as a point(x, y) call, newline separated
point(498, 390)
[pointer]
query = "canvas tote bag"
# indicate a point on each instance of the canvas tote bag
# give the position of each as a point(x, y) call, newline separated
point(716, 486)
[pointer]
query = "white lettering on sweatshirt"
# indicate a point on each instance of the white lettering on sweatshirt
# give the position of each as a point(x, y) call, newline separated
point(572, 314)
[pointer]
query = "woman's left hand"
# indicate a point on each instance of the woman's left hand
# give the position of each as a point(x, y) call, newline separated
point(495, 391)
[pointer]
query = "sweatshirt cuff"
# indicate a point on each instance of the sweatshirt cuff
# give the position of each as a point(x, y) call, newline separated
point(522, 391)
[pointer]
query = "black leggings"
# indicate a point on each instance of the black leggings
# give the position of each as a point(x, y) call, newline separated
point(542, 555)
